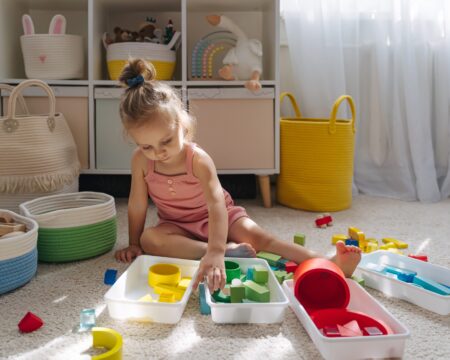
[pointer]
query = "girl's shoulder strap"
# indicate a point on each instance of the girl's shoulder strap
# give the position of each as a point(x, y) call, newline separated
point(190, 152)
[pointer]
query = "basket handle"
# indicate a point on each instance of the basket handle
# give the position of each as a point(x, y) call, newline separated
point(20, 98)
point(174, 42)
point(332, 127)
point(18, 92)
point(291, 97)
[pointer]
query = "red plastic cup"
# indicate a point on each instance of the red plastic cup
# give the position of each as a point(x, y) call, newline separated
point(320, 284)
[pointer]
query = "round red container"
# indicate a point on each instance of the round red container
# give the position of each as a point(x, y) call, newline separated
point(320, 284)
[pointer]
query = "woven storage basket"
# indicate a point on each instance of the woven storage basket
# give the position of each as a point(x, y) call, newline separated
point(163, 57)
point(316, 169)
point(38, 152)
point(18, 255)
point(53, 56)
point(73, 226)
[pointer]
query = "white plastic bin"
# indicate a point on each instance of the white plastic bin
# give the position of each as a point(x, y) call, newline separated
point(392, 287)
point(123, 297)
point(362, 347)
point(264, 313)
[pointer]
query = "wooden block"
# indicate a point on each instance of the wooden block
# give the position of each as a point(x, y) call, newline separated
point(359, 280)
point(237, 293)
point(398, 243)
point(167, 297)
point(204, 307)
point(421, 257)
point(163, 288)
point(260, 274)
point(299, 239)
point(352, 242)
point(280, 275)
point(388, 246)
point(431, 285)
point(356, 234)
point(291, 267)
point(256, 292)
point(338, 237)
point(282, 263)
point(369, 247)
point(272, 259)
point(249, 274)
point(184, 283)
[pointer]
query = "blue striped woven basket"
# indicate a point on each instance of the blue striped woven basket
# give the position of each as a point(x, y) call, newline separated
point(17, 271)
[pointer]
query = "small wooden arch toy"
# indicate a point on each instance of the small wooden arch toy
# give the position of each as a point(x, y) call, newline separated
point(111, 340)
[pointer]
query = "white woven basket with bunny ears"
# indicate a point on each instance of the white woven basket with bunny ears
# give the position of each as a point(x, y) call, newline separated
point(37, 152)
point(53, 56)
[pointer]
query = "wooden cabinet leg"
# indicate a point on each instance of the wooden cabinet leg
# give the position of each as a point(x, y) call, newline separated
point(264, 186)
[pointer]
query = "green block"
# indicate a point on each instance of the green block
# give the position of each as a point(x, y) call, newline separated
point(260, 274)
point(272, 259)
point(280, 275)
point(289, 276)
point(300, 239)
point(243, 277)
point(359, 280)
point(237, 293)
point(282, 263)
point(256, 292)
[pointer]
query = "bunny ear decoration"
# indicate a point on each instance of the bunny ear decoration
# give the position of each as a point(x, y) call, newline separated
point(28, 26)
point(57, 25)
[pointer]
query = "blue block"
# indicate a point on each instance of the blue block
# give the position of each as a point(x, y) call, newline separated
point(398, 271)
point(448, 287)
point(352, 242)
point(431, 285)
point(249, 274)
point(274, 268)
point(110, 276)
point(204, 307)
point(409, 278)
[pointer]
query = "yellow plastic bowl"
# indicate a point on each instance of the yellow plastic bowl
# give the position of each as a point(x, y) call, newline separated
point(164, 274)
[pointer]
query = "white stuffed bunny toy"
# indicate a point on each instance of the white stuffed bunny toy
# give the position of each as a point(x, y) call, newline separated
point(244, 61)
point(57, 27)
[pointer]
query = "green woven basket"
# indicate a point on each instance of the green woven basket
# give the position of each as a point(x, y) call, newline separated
point(76, 243)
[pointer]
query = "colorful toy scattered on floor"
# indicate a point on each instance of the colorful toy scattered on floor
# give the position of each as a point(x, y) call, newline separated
point(166, 281)
point(324, 220)
point(109, 339)
point(356, 237)
point(30, 322)
point(87, 319)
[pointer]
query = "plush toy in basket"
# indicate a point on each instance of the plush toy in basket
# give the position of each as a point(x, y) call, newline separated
point(55, 55)
point(18, 252)
point(73, 226)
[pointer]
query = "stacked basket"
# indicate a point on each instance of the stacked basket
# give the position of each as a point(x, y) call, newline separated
point(73, 226)
point(18, 254)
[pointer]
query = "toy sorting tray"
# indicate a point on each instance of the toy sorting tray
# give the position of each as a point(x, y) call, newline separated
point(393, 287)
point(269, 312)
point(123, 297)
point(361, 347)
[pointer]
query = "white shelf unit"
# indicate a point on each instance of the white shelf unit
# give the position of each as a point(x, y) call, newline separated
point(91, 18)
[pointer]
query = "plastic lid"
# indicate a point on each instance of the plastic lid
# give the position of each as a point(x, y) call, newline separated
point(320, 284)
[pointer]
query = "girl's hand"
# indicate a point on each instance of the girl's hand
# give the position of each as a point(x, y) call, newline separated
point(212, 266)
point(128, 254)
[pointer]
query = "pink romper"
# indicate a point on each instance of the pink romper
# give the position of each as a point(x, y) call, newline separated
point(180, 199)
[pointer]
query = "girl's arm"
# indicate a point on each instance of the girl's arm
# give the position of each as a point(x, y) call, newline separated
point(137, 208)
point(212, 264)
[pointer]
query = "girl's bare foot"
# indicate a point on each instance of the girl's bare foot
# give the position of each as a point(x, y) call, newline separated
point(240, 250)
point(347, 257)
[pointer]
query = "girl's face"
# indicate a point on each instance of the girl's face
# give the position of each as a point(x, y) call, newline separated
point(159, 140)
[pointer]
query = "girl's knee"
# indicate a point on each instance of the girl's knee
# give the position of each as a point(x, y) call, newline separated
point(261, 242)
point(150, 241)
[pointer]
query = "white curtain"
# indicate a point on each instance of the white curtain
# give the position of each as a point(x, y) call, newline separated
point(393, 58)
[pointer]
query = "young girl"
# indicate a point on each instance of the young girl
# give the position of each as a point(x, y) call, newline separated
point(197, 218)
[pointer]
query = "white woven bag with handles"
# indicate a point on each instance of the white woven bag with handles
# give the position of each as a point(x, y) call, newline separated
point(37, 152)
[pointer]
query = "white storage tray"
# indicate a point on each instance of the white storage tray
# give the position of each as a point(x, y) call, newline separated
point(123, 297)
point(265, 313)
point(392, 287)
point(361, 347)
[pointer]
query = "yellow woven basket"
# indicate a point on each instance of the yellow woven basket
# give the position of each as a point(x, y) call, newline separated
point(316, 160)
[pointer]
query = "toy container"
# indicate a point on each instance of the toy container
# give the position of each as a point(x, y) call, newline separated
point(272, 312)
point(163, 57)
point(362, 347)
point(73, 226)
point(393, 287)
point(123, 298)
point(18, 254)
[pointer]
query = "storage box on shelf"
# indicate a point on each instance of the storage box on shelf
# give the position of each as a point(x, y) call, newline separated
point(130, 296)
